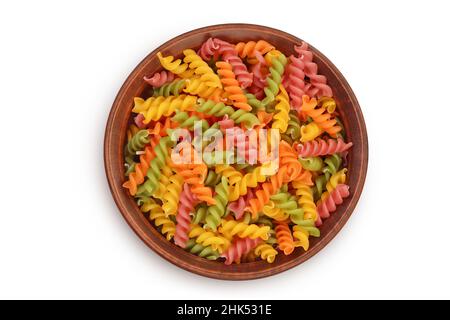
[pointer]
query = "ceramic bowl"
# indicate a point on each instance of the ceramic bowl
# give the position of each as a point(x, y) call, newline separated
point(134, 85)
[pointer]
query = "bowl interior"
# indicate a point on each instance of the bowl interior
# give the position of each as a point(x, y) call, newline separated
point(350, 115)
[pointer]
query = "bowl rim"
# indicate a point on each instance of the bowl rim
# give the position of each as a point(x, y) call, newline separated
point(244, 275)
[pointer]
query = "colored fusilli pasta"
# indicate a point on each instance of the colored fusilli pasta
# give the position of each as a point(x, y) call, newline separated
point(235, 152)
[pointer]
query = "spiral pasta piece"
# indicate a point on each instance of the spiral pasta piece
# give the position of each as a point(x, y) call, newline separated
point(208, 49)
point(137, 143)
point(159, 79)
point(272, 211)
point(244, 230)
point(305, 200)
point(212, 178)
point(195, 86)
point(328, 103)
point(271, 55)
point(301, 234)
point(157, 163)
point(321, 147)
point(174, 88)
point(311, 163)
point(320, 116)
point(187, 203)
point(191, 173)
point(217, 211)
point(156, 107)
point(233, 176)
point(310, 131)
point(293, 128)
point(239, 248)
point(201, 251)
point(302, 237)
point(329, 204)
point(201, 68)
point(157, 215)
point(254, 102)
point(333, 163)
point(171, 196)
point(137, 177)
point(230, 55)
point(139, 121)
point(187, 121)
point(200, 214)
point(209, 238)
point(319, 186)
point(249, 49)
point(226, 123)
point(336, 179)
point(284, 238)
point(288, 204)
point(266, 252)
point(260, 72)
point(231, 86)
point(164, 181)
point(249, 180)
point(266, 190)
point(246, 147)
point(237, 207)
point(296, 78)
point(318, 82)
point(194, 175)
point(294, 169)
point(212, 108)
point(281, 118)
point(274, 79)
point(226, 234)
point(136, 171)
point(175, 66)
point(202, 192)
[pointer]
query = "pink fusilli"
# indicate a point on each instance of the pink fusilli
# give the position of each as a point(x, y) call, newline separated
point(237, 207)
point(319, 87)
point(247, 148)
point(230, 55)
point(328, 205)
point(226, 123)
point(239, 248)
point(186, 207)
point(208, 49)
point(160, 78)
point(260, 72)
point(321, 147)
point(295, 81)
point(139, 121)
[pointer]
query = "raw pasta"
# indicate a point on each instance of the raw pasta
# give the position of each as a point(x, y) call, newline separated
point(238, 211)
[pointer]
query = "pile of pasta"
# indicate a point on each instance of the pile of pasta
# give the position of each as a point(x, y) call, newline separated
point(234, 213)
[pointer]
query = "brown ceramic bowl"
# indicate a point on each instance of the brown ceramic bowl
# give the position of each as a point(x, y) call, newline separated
point(348, 108)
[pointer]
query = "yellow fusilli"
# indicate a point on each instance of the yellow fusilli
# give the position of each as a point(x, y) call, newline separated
point(156, 107)
point(209, 238)
point(244, 230)
point(202, 69)
point(266, 252)
point(157, 215)
point(281, 117)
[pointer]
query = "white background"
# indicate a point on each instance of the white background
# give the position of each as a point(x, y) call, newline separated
point(61, 65)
